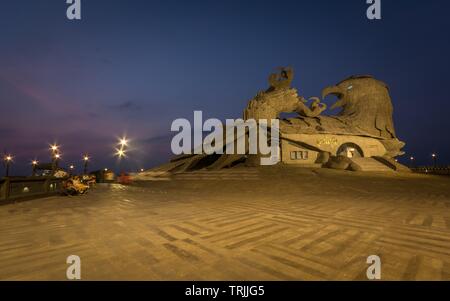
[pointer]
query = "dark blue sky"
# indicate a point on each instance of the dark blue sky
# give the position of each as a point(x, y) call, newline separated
point(134, 66)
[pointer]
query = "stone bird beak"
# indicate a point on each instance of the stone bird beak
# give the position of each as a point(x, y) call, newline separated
point(335, 90)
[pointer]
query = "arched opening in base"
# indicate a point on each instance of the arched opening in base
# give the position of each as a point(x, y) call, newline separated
point(350, 150)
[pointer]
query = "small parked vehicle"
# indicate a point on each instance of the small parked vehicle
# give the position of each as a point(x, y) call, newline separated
point(75, 186)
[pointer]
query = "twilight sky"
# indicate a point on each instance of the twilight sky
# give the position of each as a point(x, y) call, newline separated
point(132, 67)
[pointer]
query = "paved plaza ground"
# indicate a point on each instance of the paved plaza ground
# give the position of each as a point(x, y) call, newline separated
point(238, 224)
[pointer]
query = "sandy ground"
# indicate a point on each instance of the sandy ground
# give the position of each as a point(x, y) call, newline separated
point(240, 224)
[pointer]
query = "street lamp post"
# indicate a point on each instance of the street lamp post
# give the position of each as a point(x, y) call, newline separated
point(412, 162)
point(434, 156)
point(86, 160)
point(71, 168)
point(54, 150)
point(34, 163)
point(7, 159)
point(121, 151)
point(57, 157)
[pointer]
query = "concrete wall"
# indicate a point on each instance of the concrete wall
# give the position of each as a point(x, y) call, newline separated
point(13, 188)
point(329, 143)
point(287, 148)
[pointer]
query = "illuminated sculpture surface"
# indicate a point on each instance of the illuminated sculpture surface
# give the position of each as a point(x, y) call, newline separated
point(360, 137)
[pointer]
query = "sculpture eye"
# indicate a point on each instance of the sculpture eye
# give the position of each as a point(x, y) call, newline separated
point(349, 87)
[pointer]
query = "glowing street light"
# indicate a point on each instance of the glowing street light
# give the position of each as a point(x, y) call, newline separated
point(54, 148)
point(123, 142)
point(7, 159)
point(86, 160)
point(120, 153)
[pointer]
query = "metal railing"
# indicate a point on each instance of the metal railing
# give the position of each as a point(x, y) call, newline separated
point(17, 188)
point(439, 170)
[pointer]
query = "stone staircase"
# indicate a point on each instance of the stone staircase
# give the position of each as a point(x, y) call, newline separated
point(371, 164)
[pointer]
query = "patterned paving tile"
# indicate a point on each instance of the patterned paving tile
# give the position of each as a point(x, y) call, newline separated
point(275, 225)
